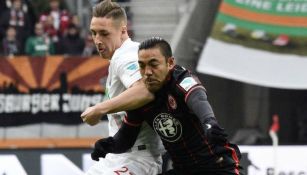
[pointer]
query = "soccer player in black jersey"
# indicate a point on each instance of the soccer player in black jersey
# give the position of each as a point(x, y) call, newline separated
point(180, 114)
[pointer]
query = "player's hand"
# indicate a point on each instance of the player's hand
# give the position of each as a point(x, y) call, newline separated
point(214, 132)
point(91, 116)
point(102, 147)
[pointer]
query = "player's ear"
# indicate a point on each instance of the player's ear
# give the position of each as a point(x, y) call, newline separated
point(171, 62)
point(124, 30)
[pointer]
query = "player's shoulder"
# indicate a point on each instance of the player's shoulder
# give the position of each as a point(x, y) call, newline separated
point(129, 46)
point(126, 56)
point(134, 44)
point(184, 80)
point(129, 49)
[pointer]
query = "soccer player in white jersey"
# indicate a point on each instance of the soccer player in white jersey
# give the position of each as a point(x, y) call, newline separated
point(109, 32)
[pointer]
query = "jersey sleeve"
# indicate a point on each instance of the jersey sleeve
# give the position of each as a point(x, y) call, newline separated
point(134, 118)
point(128, 70)
point(125, 138)
point(187, 84)
point(126, 135)
point(195, 97)
point(199, 105)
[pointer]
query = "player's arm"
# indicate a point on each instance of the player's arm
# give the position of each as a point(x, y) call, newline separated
point(132, 98)
point(198, 103)
point(123, 140)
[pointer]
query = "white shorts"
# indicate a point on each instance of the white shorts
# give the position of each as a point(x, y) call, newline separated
point(127, 164)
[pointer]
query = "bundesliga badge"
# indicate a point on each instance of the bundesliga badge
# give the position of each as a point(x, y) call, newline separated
point(172, 102)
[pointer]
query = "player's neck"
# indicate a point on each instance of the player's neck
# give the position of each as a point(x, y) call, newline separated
point(124, 38)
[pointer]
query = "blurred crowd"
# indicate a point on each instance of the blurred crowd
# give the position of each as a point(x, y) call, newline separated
point(55, 31)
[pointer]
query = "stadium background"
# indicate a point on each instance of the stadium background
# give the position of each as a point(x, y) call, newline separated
point(39, 113)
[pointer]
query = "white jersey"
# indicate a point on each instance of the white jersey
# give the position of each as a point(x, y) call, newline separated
point(123, 72)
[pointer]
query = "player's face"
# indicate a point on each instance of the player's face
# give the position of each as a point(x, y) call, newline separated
point(106, 35)
point(154, 68)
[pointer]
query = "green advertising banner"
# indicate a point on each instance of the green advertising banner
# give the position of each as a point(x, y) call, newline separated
point(261, 42)
point(275, 16)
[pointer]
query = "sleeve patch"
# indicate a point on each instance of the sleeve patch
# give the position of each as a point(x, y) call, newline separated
point(133, 67)
point(187, 83)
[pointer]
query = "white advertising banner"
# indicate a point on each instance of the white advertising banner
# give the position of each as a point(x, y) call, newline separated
point(58, 164)
point(285, 160)
point(253, 66)
point(9, 164)
point(256, 160)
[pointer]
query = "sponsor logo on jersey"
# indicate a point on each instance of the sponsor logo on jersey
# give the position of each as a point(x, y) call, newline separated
point(172, 102)
point(133, 66)
point(132, 69)
point(168, 127)
point(187, 83)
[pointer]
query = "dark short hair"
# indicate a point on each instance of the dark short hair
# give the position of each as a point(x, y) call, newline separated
point(109, 9)
point(159, 42)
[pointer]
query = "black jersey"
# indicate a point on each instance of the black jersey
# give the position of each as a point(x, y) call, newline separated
point(181, 130)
